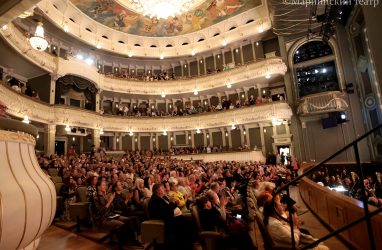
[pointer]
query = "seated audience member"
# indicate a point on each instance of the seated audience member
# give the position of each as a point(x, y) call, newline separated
point(234, 230)
point(280, 231)
point(177, 196)
point(105, 217)
point(161, 208)
point(123, 202)
point(139, 194)
point(147, 183)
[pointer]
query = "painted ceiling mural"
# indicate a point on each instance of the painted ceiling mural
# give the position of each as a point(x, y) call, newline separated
point(210, 12)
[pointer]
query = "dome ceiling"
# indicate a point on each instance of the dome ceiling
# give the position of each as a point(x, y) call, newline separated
point(128, 16)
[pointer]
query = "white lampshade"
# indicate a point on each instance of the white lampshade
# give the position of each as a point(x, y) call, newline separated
point(38, 41)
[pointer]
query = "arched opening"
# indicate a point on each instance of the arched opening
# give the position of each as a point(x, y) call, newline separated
point(71, 83)
point(314, 63)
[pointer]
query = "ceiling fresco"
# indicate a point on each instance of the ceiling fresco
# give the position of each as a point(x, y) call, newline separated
point(210, 12)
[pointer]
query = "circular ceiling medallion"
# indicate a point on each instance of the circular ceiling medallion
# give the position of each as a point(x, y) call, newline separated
point(370, 101)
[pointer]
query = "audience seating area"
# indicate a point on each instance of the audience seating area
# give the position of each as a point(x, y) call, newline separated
point(75, 177)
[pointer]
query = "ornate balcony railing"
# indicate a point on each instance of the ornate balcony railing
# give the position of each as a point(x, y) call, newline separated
point(322, 103)
point(20, 105)
point(256, 71)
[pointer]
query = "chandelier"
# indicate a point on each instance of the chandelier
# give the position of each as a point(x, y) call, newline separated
point(163, 8)
point(38, 41)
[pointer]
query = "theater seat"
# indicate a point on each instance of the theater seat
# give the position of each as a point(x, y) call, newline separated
point(152, 231)
point(59, 198)
point(208, 238)
point(80, 210)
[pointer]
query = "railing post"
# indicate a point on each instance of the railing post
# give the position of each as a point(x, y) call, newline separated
point(364, 199)
point(291, 221)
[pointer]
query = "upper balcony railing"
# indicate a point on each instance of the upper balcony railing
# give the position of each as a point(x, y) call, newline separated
point(20, 105)
point(256, 71)
point(322, 103)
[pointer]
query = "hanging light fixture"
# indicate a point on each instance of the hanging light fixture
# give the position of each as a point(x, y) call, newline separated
point(38, 41)
point(165, 133)
point(131, 133)
point(101, 131)
point(67, 128)
point(198, 131)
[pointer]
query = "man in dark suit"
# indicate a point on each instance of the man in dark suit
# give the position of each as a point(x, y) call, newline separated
point(178, 228)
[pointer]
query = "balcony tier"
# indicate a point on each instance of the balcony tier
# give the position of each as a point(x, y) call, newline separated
point(20, 105)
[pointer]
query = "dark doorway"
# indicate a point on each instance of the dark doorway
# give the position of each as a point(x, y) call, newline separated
point(60, 148)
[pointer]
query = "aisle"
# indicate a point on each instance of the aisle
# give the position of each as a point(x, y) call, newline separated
point(313, 224)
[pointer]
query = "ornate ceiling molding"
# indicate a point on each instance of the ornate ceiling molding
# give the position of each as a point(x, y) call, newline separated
point(122, 43)
point(20, 105)
point(58, 66)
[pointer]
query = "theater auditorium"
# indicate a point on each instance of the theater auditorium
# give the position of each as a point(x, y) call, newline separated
point(190, 124)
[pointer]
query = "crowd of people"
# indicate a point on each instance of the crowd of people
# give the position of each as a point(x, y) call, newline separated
point(23, 88)
point(161, 76)
point(190, 109)
point(220, 189)
point(351, 183)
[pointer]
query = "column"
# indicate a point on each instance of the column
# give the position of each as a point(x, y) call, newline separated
point(198, 66)
point(242, 139)
point(224, 140)
point(52, 92)
point(233, 56)
point(229, 139)
point(253, 50)
point(81, 144)
point(101, 105)
point(247, 140)
point(50, 139)
point(96, 138)
point(174, 140)
point(214, 63)
point(114, 143)
point(120, 142)
point(156, 140)
point(262, 139)
point(97, 102)
point(205, 65)
point(187, 140)
point(192, 138)
point(169, 140)
point(182, 68)
point(241, 55)
point(151, 141)
point(223, 55)
point(211, 139)
point(133, 142)
point(205, 138)
point(245, 94)
point(166, 106)
point(139, 141)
